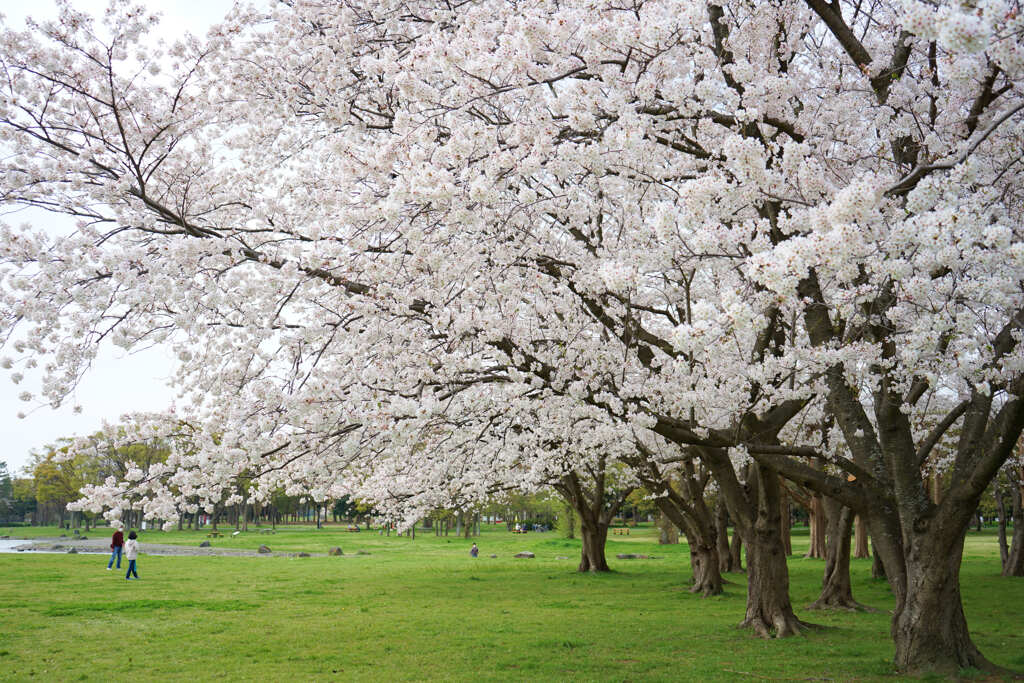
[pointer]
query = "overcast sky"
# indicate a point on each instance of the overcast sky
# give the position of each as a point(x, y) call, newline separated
point(118, 382)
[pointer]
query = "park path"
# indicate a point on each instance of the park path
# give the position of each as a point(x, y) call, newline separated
point(102, 545)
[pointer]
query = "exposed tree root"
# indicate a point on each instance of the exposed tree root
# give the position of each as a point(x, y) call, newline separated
point(837, 603)
point(781, 626)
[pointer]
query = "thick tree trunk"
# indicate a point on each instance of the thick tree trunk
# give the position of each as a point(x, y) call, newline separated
point(922, 564)
point(684, 506)
point(929, 627)
point(595, 511)
point(861, 551)
point(707, 575)
point(594, 535)
point(700, 536)
point(836, 590)
point(769, 612)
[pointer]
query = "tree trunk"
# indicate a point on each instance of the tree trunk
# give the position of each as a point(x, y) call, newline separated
point(1012, 555)
point(722, 538)
point(877, 568)
point(769, 612)
point(836, 591)
point(595, 510)
point(819, 527)
point(594, 534)
point(568, 521)
point(695, 521)
point(1014, 565)
point(785, 520)
point(861, 550)
point(668, 533)
point(736, 552)
point(754, 509)
point(707, 574)
point(929, 627)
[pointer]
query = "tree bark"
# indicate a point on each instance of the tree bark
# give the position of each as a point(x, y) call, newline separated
point(722, 537)
point(707, 575)
point(1011, 554)
point(769, 612)
point(836, 590)
point(680, 498)
point(816, 512)
point(754, 508)
point(595, 511)
point(785, 521)
point(861, 550)
point(594, 535)
point(929, 627)
point(668, 533)
point(736, 552)
point(877, 568)
point(1014, 565)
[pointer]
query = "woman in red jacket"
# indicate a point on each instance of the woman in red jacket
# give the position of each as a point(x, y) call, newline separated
point(116, 543)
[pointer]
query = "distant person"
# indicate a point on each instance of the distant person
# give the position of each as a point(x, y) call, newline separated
point(131, 553)
point(116, 546)
point(474, 551)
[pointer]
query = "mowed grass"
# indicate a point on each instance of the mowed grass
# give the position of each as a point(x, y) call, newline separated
point(424, 610)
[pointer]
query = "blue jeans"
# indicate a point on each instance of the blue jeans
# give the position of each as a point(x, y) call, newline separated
point(116, 553)
point(131, 570)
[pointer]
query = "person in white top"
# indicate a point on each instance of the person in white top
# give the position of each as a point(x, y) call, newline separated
point(131, 553)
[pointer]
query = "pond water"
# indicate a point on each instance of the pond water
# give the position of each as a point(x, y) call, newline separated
point(9, 545)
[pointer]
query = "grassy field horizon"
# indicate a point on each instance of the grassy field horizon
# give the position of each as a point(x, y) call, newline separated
point(422, 609)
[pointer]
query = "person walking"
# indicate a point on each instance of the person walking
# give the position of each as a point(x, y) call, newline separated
point(474, 551)
point(131, 553)
point(116, 546)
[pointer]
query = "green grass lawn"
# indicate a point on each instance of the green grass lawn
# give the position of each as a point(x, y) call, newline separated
point(424, 610)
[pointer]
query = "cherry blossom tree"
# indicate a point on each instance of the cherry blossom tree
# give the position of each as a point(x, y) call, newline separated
point(411, 251)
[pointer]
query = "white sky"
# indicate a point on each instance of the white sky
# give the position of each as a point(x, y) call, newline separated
point(118, 382)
